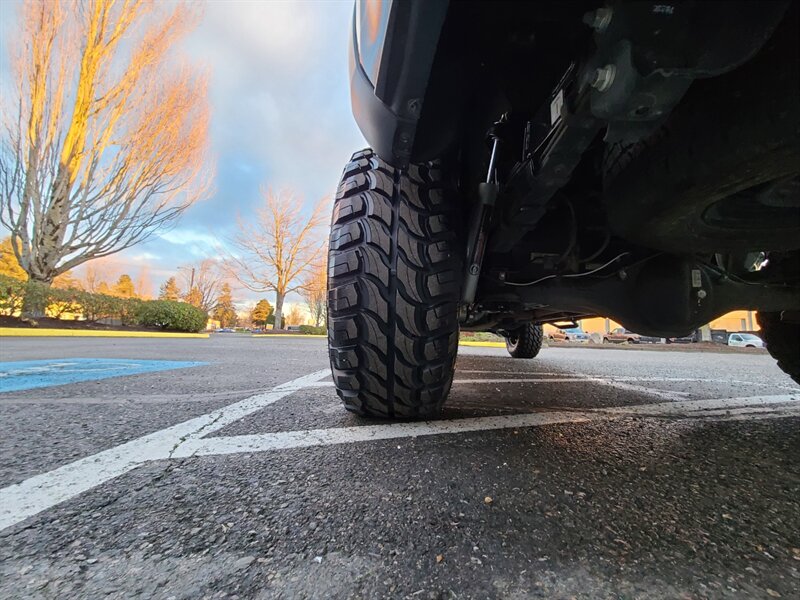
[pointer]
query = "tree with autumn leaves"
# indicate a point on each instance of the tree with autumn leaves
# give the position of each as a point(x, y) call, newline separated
point(261, 313)
point(105, 137)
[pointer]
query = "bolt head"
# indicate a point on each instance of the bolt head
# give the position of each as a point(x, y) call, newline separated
point(604, 78)
point(599, 19)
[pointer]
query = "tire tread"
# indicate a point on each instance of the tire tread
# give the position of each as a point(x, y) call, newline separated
point(394, 268)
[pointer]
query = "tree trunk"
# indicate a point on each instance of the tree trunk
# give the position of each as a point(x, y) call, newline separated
point(278, 311)
point(34, 303)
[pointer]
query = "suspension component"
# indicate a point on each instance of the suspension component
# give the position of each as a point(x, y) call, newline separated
point(481, 219)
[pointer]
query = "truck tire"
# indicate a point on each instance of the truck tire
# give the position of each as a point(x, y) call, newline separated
point(394, 282)
point(783, 342)
point(525, 342)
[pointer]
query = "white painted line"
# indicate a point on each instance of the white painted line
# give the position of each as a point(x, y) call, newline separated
point(707, 380)
point(525, 380)
point(641, 389)
point(38, 493)
point(310, 380)
point(533, 377)
point(371, 433)
point(529, 373)
point(698, 407)
point(754, 411)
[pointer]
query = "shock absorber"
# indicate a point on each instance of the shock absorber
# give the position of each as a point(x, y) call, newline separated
point(481, 219)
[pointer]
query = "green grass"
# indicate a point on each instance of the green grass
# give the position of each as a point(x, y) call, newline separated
point(480, 336)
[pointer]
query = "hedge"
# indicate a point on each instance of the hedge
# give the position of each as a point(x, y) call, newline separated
point(313, 330)
point(166, 314)
point(169, 314)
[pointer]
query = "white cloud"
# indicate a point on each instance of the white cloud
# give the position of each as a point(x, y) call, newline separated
point(183, 236)
point(144, 257)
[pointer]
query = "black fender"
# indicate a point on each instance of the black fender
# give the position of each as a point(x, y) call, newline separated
point(392, 49)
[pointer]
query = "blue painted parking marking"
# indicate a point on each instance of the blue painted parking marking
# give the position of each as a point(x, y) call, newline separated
point(30, 374)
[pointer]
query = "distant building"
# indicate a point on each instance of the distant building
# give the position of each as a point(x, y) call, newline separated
point(737, 320)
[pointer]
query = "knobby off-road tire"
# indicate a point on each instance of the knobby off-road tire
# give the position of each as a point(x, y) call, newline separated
point(394, 281)
point(783, 342)
point(525, 342)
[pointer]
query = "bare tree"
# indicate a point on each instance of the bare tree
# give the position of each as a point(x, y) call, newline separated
point(97, 272)
point(295, 315)
point(315, 290)
point(202, 283)
point(144, 285)
point(105, 140)
point(274, 250)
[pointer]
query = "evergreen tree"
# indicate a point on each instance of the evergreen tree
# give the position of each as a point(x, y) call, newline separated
point(224, 311)
point(124, 287)
point(169, 290)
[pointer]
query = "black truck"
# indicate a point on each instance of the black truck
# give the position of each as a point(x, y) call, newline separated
point(543, 162)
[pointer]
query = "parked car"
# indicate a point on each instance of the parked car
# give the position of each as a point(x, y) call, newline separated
point(650, 339)
point(684, 339)
point(620, 335)
point(225, 330)
point(574, 334)
point(745, 340)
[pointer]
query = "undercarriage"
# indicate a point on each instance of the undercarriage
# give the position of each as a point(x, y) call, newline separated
point(653, 183)
point(633, 160)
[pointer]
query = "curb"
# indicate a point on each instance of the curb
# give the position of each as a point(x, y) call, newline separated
point(483, 344)
point(288, 335)
point(292, 336)
point(22, 332)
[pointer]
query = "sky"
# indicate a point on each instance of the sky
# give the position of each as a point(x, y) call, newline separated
point(281, 117)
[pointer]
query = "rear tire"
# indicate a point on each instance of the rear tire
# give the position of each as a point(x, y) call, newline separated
point(783, 342)
point(525, 342)
point(394, 282)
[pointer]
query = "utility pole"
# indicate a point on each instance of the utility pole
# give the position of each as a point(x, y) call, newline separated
point(191, 279)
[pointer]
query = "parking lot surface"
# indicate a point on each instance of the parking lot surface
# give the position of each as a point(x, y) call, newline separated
point(587, 472)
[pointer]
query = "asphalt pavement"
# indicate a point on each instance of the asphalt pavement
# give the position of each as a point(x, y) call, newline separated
point(586, 473)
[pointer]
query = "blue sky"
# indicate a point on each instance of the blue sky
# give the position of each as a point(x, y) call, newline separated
point(281, 116)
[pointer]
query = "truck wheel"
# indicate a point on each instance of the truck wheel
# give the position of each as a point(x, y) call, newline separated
point(394, 282)
point(525, 342)
point(783, 342)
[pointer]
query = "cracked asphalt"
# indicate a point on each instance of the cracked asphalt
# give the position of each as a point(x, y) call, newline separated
point(638, 505)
